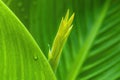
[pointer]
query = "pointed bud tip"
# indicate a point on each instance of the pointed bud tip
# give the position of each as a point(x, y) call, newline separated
point(70, 21)
point(73, 15)
point(67, 16)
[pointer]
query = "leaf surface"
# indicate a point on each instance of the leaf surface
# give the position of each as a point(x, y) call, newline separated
point(101, 61)
point(98, 30)
point(20, 56)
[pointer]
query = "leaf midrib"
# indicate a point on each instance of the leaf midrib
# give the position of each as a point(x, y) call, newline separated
point(80, 59)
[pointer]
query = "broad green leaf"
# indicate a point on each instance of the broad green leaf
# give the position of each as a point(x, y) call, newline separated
point(20, 8)
point(20, 56)
point(37, 24)
point(95, 20)
point(98, 35)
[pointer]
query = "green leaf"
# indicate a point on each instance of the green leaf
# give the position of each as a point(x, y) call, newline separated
point(80, 59)
point(20, 56)
point(20, 8)
point(101, 61)
point(93, 48)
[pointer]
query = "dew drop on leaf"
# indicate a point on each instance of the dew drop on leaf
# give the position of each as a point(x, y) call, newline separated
point(34, 3)
point(22, 9)
point(35, 58)
point(20, 4)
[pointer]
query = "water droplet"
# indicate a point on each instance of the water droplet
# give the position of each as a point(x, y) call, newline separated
point(35, 58)
point(34, 3)
point(26, 17)
point(20, 4)
point(22, 9)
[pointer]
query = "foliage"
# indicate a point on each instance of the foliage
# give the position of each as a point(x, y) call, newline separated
point(93, 48)
point(20, 56)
